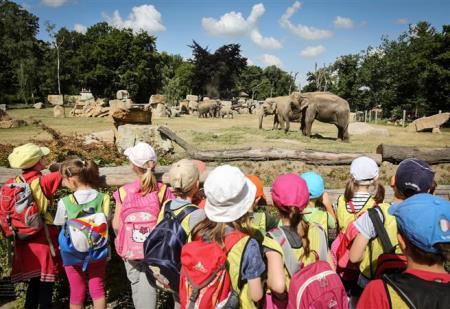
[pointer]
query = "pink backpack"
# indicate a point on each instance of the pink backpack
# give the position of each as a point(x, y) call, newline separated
point(317, 286)
point(138, 216)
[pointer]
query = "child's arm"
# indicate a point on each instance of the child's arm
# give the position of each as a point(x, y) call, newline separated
point(255, 289)
point(359, 245)
point(50, 183)
point(116, 217)
point(328, 205)
point(275, 273)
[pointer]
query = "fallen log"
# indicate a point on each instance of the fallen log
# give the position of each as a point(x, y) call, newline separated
point(265, 154)
point(395, 154)
point(120, 175)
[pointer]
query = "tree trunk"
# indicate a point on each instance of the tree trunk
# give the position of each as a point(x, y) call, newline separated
point(57, 61)
point(395, 154)
point(265, 154)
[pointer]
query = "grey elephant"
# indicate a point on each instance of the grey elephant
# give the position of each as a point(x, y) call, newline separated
point(207, 108)
point(226, 111)
point(284, 110)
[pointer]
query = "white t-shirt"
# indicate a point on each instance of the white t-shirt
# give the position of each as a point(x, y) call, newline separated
point(82, 196)
point(365, 225)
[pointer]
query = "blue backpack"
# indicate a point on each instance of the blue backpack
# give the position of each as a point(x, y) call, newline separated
point(162, 249)
point(84, 237)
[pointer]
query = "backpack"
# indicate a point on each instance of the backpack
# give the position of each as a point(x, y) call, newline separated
point(138, 216)
point(84, 237)
point(388, 262)
point(204, 280)
point(162, 248)
point(407, 291)
point(19, 212)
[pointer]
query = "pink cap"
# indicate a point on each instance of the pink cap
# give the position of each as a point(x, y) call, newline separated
point(290, 190)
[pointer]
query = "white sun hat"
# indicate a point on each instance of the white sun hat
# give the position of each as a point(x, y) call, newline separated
point(140, 154)
point(229, 194)
point(364, 169)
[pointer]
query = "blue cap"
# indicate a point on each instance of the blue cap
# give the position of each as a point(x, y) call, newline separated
point(424, 219)
point(315, 184)
point(413, 176)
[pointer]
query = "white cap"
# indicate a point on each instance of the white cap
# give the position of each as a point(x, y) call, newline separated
point(140, 154)
point(229, 194)
point(364, 169)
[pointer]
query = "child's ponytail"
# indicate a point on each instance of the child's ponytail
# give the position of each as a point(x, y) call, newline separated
point(149, 182)
point(301, 227)
point(86, 171)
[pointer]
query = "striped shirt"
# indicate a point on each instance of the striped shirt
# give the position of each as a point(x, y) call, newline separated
point(359, 200)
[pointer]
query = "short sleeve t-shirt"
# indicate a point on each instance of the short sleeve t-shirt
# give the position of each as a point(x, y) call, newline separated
point(253, 265)
point(365, 225)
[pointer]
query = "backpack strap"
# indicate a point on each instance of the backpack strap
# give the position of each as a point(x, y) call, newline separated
point(162, 194)
point(187, 210)
point(323, 250)
point(399, 291)
point(380, 230)
point(352, 207)
point(290, 260)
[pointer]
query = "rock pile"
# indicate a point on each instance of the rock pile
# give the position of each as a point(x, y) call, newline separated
point(159, 107)
point(90, 108)
point(6, 122)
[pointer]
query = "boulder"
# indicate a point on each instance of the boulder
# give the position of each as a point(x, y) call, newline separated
point(361, 128)
point(122, 95)
point(129, 134)
point(206, 99)
point(86, 96)
point(3, 107)
point(157, 99)
point(12, 123)
point(58, 112)
point(55, 99)
point(161, 110)
point(38, 105)
point(226, 103)
point(352, 117)
point(191, 97)
point(428, 123)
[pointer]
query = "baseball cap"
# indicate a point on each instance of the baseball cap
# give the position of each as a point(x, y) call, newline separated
point(289, 190)
point(413, 176)
point(140, 154)
point(424, 219)
point(229, 194)
point(315, 184)
point(183, 175)
point(259, 186)
point(27, 156)
point(364, 170)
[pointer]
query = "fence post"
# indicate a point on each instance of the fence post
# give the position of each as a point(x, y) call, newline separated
point(404, 118)
point(376, 116)
point(370, 116)
point(365, 116)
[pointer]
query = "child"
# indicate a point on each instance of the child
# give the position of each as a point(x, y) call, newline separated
point(412, 176)
point(306, 240)
point(36, 260)
point(423, 235)
point(230, 195)
point(82, 178)
point(318, 199)
point(145, 188)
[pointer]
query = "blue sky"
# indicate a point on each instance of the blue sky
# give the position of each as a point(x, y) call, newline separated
point(291, 34)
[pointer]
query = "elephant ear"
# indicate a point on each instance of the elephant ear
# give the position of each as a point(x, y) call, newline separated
point(304, 102)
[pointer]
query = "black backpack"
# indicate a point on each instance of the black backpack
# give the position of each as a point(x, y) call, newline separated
point(162, 249)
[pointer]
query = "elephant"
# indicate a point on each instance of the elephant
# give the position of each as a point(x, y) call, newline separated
point(284, 110)
point(208, 108)
point(226, 111)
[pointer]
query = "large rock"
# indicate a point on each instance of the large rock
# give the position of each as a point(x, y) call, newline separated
point(58, 112)
point(3, 107)
point(157, 99)
point(361, 128)
point(226, 103)
point(12, 123)
point(130, 134)
point(191, 97)
point(122, 95)
point(429, 123)
point(99, 137)
point(38, 105)
point(55, 99)
point(119, 104)
point(161, 110)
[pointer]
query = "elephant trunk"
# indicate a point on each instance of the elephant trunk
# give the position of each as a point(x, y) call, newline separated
point(260, 118)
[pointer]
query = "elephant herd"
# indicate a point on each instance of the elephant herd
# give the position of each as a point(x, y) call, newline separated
point(305, 108)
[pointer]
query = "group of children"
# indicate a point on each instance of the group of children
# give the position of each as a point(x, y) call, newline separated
point(265, 251)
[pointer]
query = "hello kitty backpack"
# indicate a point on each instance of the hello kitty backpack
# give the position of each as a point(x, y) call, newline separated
point(138, 216)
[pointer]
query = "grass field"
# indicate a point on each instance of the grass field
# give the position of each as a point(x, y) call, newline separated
point(242, 132)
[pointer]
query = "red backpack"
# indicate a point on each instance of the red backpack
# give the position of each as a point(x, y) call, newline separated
point(204, 280)
point(19, 213)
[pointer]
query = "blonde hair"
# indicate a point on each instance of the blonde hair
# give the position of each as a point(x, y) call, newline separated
point(149, 182)
point(376, 190)
point(86, 171)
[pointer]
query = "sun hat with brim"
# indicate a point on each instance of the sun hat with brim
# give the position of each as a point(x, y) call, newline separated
point(290, 190)
point(140, 154)
point(27, 156)
point(315, 184)
point(364, 170)
point(424, 219)
point(229, 194)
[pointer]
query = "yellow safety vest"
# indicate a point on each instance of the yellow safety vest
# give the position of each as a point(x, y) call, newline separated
point(258, 222)
point(395, 300)
point(344, 217)
point(374, 249)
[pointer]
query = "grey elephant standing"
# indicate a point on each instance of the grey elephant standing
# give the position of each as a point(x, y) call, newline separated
point(207, 108)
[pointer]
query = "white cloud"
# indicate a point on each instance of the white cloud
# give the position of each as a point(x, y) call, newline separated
point(250, 62)
point(145, 17)
point(53, 3)
point(402, 21)
point(80, 28)
point(343, 22)
point(269, 60)
point(312, 51)
point(234, 24)
point(305, 32)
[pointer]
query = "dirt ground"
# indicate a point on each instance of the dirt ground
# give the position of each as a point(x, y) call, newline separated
point(241, 132)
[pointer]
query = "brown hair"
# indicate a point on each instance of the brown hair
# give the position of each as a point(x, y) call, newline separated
point(295, 221)
point(427, 258)
point(377, 191)
point(86, 171)
point(149, 182)
point(215, 231)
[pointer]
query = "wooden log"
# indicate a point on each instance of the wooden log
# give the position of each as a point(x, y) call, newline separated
point(120, 175)
point(395, 154)
point(265, 154)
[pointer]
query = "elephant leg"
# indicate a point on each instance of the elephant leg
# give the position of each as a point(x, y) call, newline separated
point(302, 123)
point(286, 130)
point(308, 126)
point(281, 123)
